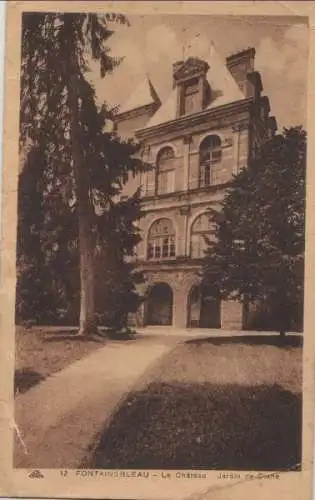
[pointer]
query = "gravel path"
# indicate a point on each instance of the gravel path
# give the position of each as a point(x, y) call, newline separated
point(59, 419)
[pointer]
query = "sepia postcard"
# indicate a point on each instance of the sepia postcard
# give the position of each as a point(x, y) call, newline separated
point(157, 252)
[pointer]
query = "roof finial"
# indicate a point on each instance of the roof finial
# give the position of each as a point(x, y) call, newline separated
point(197, 35)
point(183, 44)
point(212, 47)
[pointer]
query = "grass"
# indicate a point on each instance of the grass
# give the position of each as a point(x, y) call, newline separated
point(41, 352)
point(211, 405)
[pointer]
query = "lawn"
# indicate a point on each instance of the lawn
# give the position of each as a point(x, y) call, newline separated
point(216, 404)
point(39, 352)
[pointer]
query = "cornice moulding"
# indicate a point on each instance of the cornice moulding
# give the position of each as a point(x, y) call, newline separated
point(182, 123)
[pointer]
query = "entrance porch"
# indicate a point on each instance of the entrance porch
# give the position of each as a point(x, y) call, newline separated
point(169, 306)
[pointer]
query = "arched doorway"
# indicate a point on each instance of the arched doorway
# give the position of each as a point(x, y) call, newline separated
point(160, 305)
point(203, 310)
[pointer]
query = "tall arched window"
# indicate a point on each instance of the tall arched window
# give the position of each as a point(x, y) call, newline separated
point(202, 229)
point(165, 167)
point(210, 155)
point(161, 240)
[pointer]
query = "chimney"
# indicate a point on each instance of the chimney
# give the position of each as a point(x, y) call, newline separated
point(272, 126)
point(176, 66)
point(240, 65)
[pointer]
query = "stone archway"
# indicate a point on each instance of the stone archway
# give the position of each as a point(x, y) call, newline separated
point(203, 310)
point(159, 305)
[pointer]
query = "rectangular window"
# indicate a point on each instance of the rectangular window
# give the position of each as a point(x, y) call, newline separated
point(172, 247)
point(216, 156)
point(161, 183)
point(157, 251)
point(165, 247)
point(191, 104)
point(150, 251)
point(207, 170)
point(198, 246)
point(206, 175)
point(191, 98)
point(166, 182)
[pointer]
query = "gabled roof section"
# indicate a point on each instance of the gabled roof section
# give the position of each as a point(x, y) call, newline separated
point(166, 112)
point(224, 89)
point(143, 95)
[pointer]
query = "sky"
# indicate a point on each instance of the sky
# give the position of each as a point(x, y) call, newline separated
point(152, 43)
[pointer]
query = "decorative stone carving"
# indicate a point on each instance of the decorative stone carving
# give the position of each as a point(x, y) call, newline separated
point(187, 139)
point(193, 66)
point(185, 210)
point(237, 127)
point(227, 142)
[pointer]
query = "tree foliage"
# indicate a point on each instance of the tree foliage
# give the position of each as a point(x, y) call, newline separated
point(118, 237)
point(258, 252)
point(73, 170)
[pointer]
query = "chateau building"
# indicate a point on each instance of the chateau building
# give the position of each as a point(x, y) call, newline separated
point(196, 140)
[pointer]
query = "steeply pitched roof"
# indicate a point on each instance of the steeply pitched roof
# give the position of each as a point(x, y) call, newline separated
point(143, 95)
point(224, 90)
point(166, 112)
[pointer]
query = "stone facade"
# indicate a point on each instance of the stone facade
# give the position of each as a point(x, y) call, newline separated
point(206, 133)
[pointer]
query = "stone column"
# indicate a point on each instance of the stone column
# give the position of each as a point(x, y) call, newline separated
point(243, 154)
point(186, 140)
point(179, 98)
point(185, 212)
point(231, 315)
point(140, 315)
point(149, 176)
point(236, 148)
point(179, 308)
point(179, 300)
point(241, 146)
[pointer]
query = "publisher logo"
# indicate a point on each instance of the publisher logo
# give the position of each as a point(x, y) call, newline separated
point(36, 474)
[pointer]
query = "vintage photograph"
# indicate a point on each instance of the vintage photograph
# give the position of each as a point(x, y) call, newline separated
point(160, 242)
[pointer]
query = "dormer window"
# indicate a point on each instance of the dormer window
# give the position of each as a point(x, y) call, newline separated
point(191, 100)
point(192, 86)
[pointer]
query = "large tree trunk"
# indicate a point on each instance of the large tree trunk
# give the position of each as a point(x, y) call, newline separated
point(283, 311)
point(282, 338)
point(87, 292)
point(88, 324)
